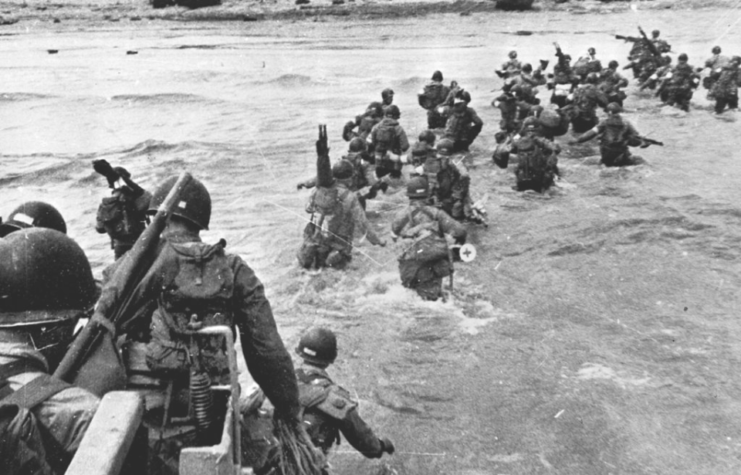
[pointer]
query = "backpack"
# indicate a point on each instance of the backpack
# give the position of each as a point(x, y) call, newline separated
point(614, 132)
point(430, 96)
point(429, 244)
point(385, 137)
point(198, 296)
point(531, 161)
point(117, 216)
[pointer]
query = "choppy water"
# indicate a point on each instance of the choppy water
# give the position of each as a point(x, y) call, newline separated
point(595, 333)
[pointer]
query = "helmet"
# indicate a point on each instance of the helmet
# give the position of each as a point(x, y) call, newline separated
point(34, 214)
point(45, 277)
point(513, 54)
point(445, 147)
point(613, 64)
point(122, 172)
point(418, 187)
point(376, 107)
point(682, 57)
point(716, 49)
point(655, 33)
point(427, 136)
point(592, 78)
point(527, 68)
point(466, 96)
point(318, 345)
point(667, 59)
point(357, 145)
point(342, 170)
point(387, 93)
point(591, 51)
point(393, 111)
point(194, 204)
point(736, 60)
point(437, 76)
point(613, 108)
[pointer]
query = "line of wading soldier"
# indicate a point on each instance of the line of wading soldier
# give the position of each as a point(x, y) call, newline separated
point(47, 284)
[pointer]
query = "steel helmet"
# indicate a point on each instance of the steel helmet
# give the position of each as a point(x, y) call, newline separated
point(592, 78)
point(427, 136)
point(655, 33)
point(613, 108)
point(342, 170)
point(33, 214)
point(387, 93)
point(376, 107)
point(683, 57)
point(613, 64)
point(44, 277)
point(513, 54)
point(194, 204)
point(527, 68)
point(418, 187)
point(393, 111)
point(318, 345)
point(445, 147)
point(716, 49)
point(437, 76)
point(357, 145)
point(591, 51)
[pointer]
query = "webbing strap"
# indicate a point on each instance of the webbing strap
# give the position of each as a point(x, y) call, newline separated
point(36, 392)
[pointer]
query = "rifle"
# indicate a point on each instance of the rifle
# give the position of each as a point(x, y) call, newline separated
point(559, 53)
point(126, 278)
point(632, 39)
point(651, 141)
point(650, 44)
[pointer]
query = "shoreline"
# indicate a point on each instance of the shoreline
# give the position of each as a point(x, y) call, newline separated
point(18, 12)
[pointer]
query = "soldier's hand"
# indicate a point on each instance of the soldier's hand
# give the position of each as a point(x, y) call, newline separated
point(543, 64)
point(322, 149)
point(104, 168)
point(299, 186)
point(387, 446)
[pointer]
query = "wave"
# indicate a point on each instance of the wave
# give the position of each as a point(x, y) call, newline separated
point(165, 98)
point(292, 80)
point(22, 96)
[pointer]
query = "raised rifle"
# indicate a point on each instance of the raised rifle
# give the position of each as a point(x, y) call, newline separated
point(651, 141)
point(632, 39)
point(650, 44)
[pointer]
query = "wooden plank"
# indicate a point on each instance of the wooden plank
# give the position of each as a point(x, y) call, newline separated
point(107, 441)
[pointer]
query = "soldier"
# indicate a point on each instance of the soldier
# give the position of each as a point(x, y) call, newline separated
point(47, 286)
point(424, 148)
point(387, 98)
point(33, 214)
point(463, 125)
point(615, 135)
point(612, 82)
point(715, 63)
point(390, 144)
point(681, 83)
point(364, 122)
point(122, 215)
point(657, 78)
point(431, 97)
point(725, 89)
point(661, 45)
point(511, 67)
point(427, 260)
point(328, 238)
point(328, 409)
point(507, 103)
point(537, 159)
point(527, 81)
point(448, 182)
point(587, 97)
point(192, 285)
point(587, 64)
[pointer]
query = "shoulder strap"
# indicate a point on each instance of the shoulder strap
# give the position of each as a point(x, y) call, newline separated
point(36, 392)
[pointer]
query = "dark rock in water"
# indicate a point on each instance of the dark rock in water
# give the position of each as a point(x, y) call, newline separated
point(197, 3)
point(516, 5)
point(132, 52)
point(52, 51)
point(302, 2)
point(338, 2)
point(7, 21)
point(57, 20)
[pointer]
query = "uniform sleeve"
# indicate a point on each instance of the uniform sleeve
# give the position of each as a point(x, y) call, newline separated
point(358, 215)
point(142, 202)
point(359, 434)
point(403, 140)
point(310, 183)
point(451, 226)
point(267, 358)
point(399, 222)
point(475, 118)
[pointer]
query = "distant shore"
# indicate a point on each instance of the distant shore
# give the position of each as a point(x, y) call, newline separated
point(84, 11)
